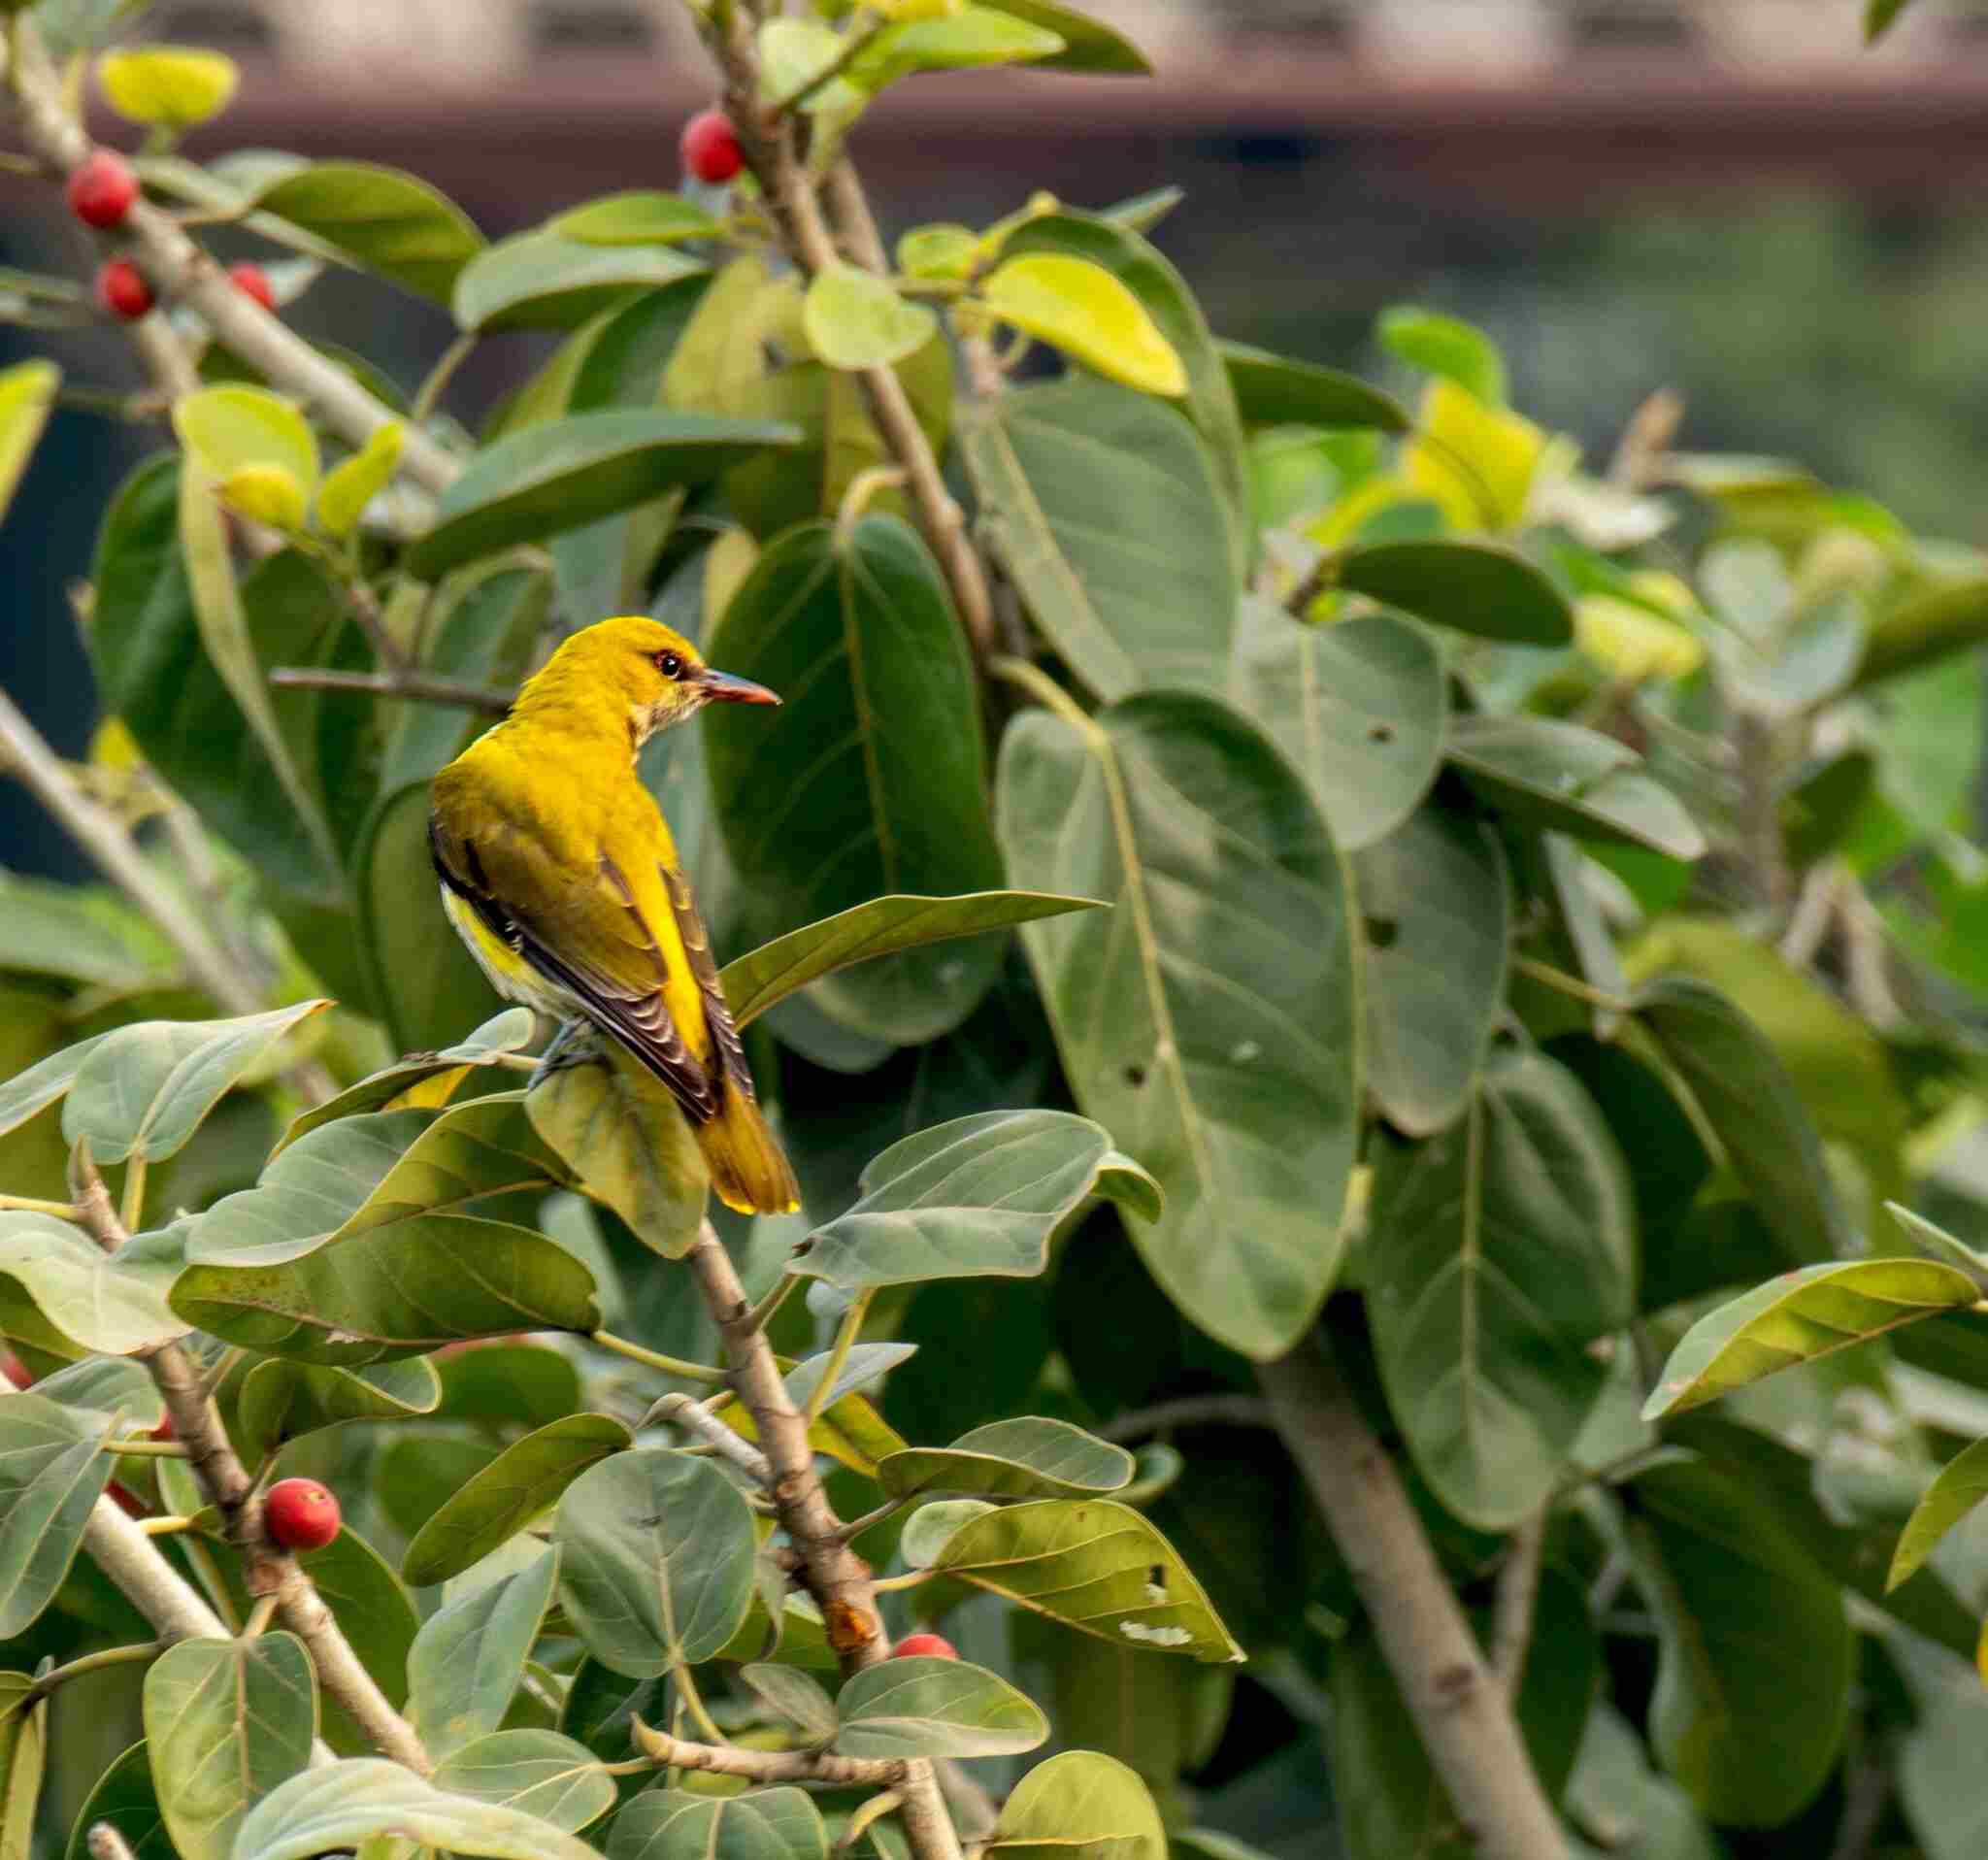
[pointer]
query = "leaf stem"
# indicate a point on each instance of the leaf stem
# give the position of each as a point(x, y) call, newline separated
point(259, 1616)
point(28, 1205)
point(763, 1312)
point(439, 377)
point(131, 1211)
point(1044, 689)
point(909, 1581)
point(146, 1450)
point(693, 1701)
point(838, 1356)
point(92, 1662)
point(164, 1526)
point(1571, 985)
point(655, 1359)
point(855, 42)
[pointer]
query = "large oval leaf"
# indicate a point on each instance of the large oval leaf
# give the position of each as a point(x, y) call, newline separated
point(1083, 309)
point(524, 1479)
point(1756, 1659)
point(1105, 511)
point(281, 1401)
point(980, 1195)
point(225, 1722)
point(1082, 1804)
point(1961, 1486)
point(51, 1474)
point(563, 473)
point(1475, 588)
point(853, 318)
point(469, 1657)
point(762, 1824)
point(124, 1796)
point(1358, 707)
point(100, 1303)
point(341, 1804)
point(1271, 390)
point(765, 977)
point(1028, 1458)
point(1497, 1253)
point(657, 1554)
point(1093, 1564)
point(1436, 905)
point(923, 1705)
point(871, 778)
point(1209, 1021)
point(537, 1772)
point(1584, 783)
point(1801, 1315)
point(381, 218)
point(553, 280)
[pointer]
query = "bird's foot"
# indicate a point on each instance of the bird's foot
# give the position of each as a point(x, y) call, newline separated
point(574, 1044)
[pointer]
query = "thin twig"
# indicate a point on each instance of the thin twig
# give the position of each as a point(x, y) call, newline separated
point(364, 606)
point(681, 1411)
point(856, 42)
point(439, 377)
point(1570, 985)
point(1189, 1411)
point(1460, 1711)
point(93, 1663)
point(105, 1843)
point(1511, 1616)
point(1318, 579)
point(763, 1766)
point(417, 687)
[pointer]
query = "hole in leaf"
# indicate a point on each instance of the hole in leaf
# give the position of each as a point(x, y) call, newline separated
point(1381, 932)
point(1135, 1075)
point(1380, 733)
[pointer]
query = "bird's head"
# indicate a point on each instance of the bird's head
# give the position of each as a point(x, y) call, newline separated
point(647, 668)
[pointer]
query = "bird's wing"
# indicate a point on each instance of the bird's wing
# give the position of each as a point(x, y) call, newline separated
point(727, 1048)
point(589, 933)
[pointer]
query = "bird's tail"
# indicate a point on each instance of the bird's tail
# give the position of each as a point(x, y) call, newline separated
point(749, 1168)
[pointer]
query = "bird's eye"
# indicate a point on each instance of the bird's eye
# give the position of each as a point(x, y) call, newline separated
point(669, 665)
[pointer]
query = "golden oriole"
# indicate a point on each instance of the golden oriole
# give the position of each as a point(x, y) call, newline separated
point(558, 871)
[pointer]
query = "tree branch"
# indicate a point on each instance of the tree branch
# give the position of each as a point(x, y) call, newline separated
point(179, 269)
point(1188, 1411)
point(681, 1411)
point(416, 686)
point(835, 1576)
point(1459, 1710)
point(765, 1766)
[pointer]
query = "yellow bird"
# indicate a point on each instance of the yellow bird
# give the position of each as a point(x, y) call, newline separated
point(558, 872)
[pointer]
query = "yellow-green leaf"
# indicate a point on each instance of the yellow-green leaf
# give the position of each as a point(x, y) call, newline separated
point(941, 250)
point(172, 86)
point(1475, 460)
point(268, 493)
point(855, 319)
point(27, 391)
point(1083, 310)
point(226, 428)
point(354, 484)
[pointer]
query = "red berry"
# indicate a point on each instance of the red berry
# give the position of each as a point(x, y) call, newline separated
point(251, 280)
point(710, 146)
point(301, 1514)
point(102, 190)
point(15, 1370)
point(121, 289)
point(935, 1645)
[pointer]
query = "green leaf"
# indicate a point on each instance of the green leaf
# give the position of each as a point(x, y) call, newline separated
point(222, 621)
point(1961, 1486)
point(144, 1089)
point(762, 1824)
point(1211, 1020)
point(227, 428)
point(428, 984)
point(657, 1560)
point(125, 1797)
point(1498, 1253)
point(469, 1657)
point(1482, 589)
point(31, 1091)
point(1359, 707)
point(1094, 1564)
point(341, 1804)
point(1028, 1458)
point(23, 1764)
point(51, 1474)
point(81, 934)
point(27, 397)
point(1878, 17)
point(96, 1301)
point(1084, 1806)
point(1578, 781)
point(152, 671)
point(1083, 309)
point(542, 280)
point(378, 218)
point(1751, 1105)
point(1926, 626)
point(923, 1705)
point(1088, 45)
point(1104, 510)
point(1799, 1316)
point(538, 1772)
point(1436, 906)
point(626, 1140)
point(954, 42)
point(853, 319)
point(979, 1195)
point(523, 1480)
point(520, 1385)
point(1211, 403)
point(794, 1695)
point(395, 1290)
point(871, 778)
point(756, 981)
point(343, 497)
point(565, 473)
point(640, 217)
point(225, 1722)
point(1446, 346)
point(1756, 1656)
point(1271, 390)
